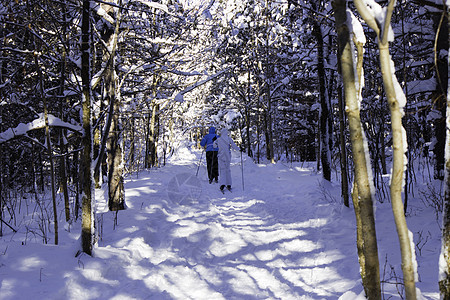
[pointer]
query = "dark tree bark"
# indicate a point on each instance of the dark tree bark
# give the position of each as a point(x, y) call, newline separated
point(444, 283)
point(343, 152)
point(153, 136)
point(116, 199)
point(440, 96)
point(325, 121)
point(247, 114)
point(63, 159)
point(131, 158)
point(49, 147)
point(268, 72)
point(87, 228)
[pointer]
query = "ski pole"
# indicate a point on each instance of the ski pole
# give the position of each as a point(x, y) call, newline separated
point(199, 163)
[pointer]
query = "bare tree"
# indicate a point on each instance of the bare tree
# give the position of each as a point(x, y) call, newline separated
point(49, 148)
point(396, 100)
point(362, 194)
point(116, 194)
point(87, 209)
point(325, 110)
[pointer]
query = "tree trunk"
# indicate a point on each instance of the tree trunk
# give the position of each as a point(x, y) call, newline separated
point(267, 135)
point(360, 238)
point(441, 92)
point(2, 197)
point(324, 105)
point(63, 175)
point(153, 136)
point(247, 115)
point(343, 152)
point(49, 147)
point(397, 175)
point(87, 223)
point(383, 149)
point(268, 74)
point(371, 277)
point(102, 147)
point(444, 276)
point(116, 199)
point(258, 126)
point(132, 144)
point(77, 180)
point(396, 110)
point(147, 160)
point(63, 158)
point(116, 196)
point(97, 144)
point(398, 168)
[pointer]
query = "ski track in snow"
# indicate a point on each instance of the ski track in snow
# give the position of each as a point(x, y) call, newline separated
point(252, 244)
point(277, 239)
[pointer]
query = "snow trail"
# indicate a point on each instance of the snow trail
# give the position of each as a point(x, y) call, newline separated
point(260, 243)
point(286, 236)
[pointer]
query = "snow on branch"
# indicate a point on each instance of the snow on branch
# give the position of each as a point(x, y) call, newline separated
point(39, 123)
point(179, 97)
point(355, 27)
point(376, 16)
point(104, 14)
point(155, 5)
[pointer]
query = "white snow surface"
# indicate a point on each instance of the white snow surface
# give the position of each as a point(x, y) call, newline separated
point(283, 235)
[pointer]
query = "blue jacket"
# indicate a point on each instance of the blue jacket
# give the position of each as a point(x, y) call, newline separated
point(208, 140)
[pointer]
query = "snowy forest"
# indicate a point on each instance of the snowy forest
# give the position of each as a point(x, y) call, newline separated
point(94, 92)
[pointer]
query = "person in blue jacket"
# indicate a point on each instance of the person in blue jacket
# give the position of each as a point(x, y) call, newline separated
point(211, 155)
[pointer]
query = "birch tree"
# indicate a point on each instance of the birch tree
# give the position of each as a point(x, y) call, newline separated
point(379, 20)
point(362, 195)
point(116, 193)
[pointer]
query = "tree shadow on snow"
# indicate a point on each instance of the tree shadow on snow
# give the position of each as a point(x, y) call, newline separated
point(233, 246)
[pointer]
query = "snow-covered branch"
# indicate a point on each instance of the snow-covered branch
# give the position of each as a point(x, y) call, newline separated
point(179, 97)
point(39, 123)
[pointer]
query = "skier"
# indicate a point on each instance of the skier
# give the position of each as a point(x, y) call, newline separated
point(225, 143)
point(211, 154)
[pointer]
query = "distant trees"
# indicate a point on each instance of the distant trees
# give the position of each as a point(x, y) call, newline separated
point(44, 66)
point(35, 89)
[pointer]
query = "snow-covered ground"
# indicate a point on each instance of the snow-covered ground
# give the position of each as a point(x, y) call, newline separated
point(282, 235)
